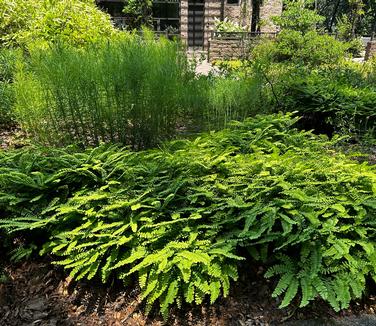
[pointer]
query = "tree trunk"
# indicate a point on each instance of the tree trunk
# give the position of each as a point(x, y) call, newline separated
point(334, 15)
point(222, 10)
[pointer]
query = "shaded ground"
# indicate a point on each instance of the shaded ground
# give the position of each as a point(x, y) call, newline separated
point(12, 138)
point(38, 293)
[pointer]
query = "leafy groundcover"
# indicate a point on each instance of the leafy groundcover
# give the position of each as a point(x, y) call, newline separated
point(179, 219)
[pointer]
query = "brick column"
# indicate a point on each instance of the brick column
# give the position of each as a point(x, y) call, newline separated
point(268, 10)
point(212, 10)
point(184, 21)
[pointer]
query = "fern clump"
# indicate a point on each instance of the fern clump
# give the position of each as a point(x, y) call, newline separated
point(175, 218)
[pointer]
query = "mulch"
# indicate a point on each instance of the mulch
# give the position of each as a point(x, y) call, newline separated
point(12, 137)
point(39, 293)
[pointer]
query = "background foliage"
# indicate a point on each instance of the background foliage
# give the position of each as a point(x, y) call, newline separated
point(361, 14)
point(29, 23)
point(310, 72)
point(7, 97)
point(139, 13)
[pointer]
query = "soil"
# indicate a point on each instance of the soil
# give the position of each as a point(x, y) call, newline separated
point(38, 293)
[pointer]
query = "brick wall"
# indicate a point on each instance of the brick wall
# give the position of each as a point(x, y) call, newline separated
point(184, 20)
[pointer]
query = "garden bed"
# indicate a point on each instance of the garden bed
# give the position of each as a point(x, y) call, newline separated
point(249, 222)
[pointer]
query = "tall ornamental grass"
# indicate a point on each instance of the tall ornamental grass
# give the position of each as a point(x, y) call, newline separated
point(127, 91)
point(133, 90)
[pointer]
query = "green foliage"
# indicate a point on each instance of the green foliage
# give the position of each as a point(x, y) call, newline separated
point(299, 41)
point(308, 72)
point(344, 33)
point(125, 92)
point(298, 16)
point(7, 69)
point(3, 276)
point(341, 98)
point(135, 90)
point(176, 217)
point(343, 28)
point(139, 13)
point(40, 23)
point(15, 16)
point(355, 47)
point(360, 14)
point(226, 26)
point(309, 48)
point(6, 104)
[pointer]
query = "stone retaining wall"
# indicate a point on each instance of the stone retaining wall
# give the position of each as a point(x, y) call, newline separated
point(370, 50)
point(226, 49)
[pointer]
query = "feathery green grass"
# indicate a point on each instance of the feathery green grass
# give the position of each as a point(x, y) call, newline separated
point(133, 90)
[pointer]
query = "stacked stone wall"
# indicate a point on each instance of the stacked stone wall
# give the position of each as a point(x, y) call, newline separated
point(184, 20)
point(226, 49)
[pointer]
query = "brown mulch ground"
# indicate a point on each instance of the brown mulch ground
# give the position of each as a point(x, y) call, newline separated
point(12, 137)
point(38, 293)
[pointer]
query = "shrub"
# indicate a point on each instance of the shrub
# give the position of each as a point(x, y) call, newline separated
point(139, 13)
point(15, 16)
point(345, 33)
point(30, 23)
point(177, 216)
point(299, 16)
point(310, 48)
point(331, 103)
point(229, 68)
point(299, 42)
point(307, 50)
point(228, 26)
